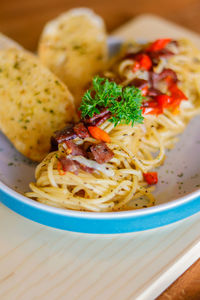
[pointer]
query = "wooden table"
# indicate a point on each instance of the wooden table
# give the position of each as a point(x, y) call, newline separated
point(23, 21)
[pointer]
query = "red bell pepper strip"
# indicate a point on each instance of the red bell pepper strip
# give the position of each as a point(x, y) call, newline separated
point(176, 93)
point(136, 66)
point(151, 108)
point(143, 62)
point(164, 101)
point(158, 45)
point(161, 102)
point(151, 177)
point(144, 90)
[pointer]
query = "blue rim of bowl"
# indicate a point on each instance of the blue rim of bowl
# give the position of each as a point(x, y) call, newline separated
point(102, 222)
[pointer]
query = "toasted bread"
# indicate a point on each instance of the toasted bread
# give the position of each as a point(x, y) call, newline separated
point(33, 103)
point(74, 47)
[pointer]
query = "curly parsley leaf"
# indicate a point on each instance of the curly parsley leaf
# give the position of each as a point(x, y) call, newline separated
point(123, 103)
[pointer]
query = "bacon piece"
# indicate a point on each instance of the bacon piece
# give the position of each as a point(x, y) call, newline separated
point(168, 73)
point(164, 53)
point(86, 168)
point(130, 55)
point(95, 118)
point(69, 165)
point(139, 83)
point(152, 92)
point(81, 130)
point(74, 149)
point(155, 77)
point(101, 153)
point(62, 135)
point(103, 119)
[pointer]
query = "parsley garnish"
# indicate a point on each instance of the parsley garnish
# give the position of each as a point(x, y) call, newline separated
point(123, 103)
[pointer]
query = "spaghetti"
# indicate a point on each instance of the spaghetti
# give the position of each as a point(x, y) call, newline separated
point(95, 182)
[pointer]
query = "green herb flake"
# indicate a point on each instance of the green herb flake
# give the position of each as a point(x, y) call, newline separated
point(123, 103)
point(80, 48)
point(16, 65)
point(57, 82)
point(10, 164)
point(76, 47)
point(46, 90)
point(180, 175)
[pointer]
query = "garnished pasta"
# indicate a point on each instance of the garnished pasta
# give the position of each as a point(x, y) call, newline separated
point(105, 163)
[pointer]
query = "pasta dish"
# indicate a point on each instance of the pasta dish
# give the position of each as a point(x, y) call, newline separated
point(129, 116)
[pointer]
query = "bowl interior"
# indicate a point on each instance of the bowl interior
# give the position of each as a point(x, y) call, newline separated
point(179, 176)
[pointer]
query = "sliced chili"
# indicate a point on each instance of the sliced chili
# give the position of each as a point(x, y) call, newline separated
point(99, 134)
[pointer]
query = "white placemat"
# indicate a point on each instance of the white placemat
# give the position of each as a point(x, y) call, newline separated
point(37, 262)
